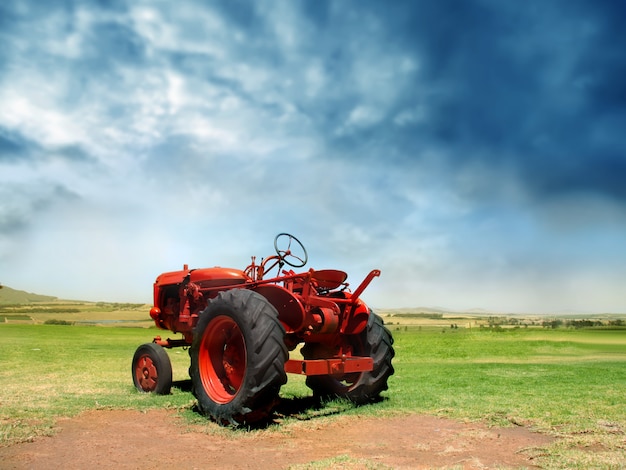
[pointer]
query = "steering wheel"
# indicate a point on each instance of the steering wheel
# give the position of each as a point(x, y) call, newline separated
point(295, 260)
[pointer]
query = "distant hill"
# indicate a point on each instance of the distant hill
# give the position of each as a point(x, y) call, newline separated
point(13, 296)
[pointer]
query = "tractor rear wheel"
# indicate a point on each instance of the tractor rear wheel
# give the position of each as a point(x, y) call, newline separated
point(152, 369)
point(238, 358)
point(374, 341)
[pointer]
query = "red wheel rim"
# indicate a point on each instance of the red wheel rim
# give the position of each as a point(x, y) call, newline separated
point(222, 359)
point(146, 373)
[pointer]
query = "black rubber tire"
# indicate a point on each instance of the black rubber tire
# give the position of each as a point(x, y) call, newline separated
point(361, 388)
point(238, 324)
point(151, 369)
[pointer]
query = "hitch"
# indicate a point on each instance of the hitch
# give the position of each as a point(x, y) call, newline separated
point(340, 365)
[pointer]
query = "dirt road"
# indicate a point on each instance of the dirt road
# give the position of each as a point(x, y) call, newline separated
point(161, 439)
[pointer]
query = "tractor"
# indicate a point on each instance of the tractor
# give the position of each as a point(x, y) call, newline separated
point(240, 327)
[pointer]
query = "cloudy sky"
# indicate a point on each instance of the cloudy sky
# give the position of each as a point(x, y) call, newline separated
point(474, 150)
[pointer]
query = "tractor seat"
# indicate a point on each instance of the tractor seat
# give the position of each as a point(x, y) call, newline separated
point(329, 278)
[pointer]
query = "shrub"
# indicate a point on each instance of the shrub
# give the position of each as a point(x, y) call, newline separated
point(54, 321)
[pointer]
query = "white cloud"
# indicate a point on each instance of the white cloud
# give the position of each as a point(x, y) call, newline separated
point(364, 116)
point(181, 28)
point(411, 116)
point(42, 122)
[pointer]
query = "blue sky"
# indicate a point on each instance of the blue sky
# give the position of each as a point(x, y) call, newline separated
point(472, 150)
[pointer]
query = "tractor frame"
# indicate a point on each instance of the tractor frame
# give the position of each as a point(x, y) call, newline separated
point(240, 326)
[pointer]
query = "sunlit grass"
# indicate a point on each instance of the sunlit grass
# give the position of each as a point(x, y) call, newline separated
point(341, 462)
point(51, 371)
point(566, 383)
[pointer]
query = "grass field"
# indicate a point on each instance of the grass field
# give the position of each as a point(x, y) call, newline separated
point(565, 382)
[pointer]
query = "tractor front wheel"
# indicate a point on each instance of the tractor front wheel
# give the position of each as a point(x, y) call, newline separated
point(152, 369)
point(359, 387)
point(238, 358)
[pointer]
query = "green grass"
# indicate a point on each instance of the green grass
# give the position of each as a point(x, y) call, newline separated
point(48, 371)
point(567, 383)
point(343, 462)
point(528, 375)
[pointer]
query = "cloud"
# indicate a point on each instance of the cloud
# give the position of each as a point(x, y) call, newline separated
point(472, 151)
point(14, 146)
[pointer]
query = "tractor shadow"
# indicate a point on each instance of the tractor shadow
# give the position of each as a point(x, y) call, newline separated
point(304, 408)
point(182, 385)
point(314, 407)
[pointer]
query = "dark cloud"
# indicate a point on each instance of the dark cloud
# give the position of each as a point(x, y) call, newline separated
point(241, 14)
point(74, 153)
point(12, 223)
point(111, 43)
point(532, 88)
point(602, 67)
point(7, 16)
point(13, 146)
point(25, 203)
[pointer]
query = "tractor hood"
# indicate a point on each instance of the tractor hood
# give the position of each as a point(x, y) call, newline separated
point(205, 277)
point(173, 277)
point(214, 277)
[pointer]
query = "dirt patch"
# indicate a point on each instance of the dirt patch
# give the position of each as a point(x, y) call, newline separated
point(161, 439)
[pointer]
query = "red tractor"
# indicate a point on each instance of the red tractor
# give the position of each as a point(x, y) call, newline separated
point(241, 325)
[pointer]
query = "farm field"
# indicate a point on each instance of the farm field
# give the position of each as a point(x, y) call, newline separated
point(563, 383)
point(77, 313)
